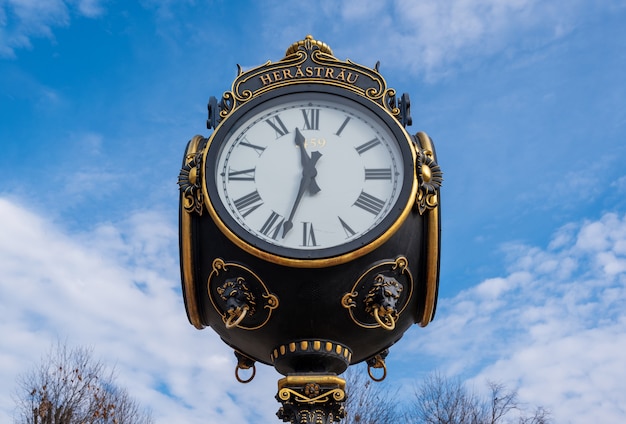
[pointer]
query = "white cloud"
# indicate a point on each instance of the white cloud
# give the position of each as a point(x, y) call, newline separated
point(431, 37)
point(117, 288)
point(554, 327)
point(22, 20)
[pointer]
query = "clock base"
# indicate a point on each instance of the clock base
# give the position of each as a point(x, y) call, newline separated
point(311, 398)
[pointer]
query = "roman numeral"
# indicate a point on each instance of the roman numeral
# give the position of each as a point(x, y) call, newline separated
point(248, 203)
point(308, 235)
point(272, 225)
point(366, 146)
point(278, 126)
point(343, 125)
point(258, 149)
point(245, 175)
point(369, 203)
point(311, 119)
point(378, 173)
point(349, 231)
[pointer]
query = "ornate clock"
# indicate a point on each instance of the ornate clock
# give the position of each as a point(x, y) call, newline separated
point(309, 224)
point(309, 178)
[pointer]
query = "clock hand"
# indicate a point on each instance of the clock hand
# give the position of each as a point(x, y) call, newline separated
point(305, 160)
point(307, 180)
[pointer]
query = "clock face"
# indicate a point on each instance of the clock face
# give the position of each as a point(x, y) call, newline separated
point(309, 176)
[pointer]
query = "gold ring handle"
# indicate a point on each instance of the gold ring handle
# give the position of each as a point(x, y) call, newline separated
point(242, 314)
point(380, 364)
point(241, 380)
point(388, 327)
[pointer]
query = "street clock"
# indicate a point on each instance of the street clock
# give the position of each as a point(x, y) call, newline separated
point(309, 222)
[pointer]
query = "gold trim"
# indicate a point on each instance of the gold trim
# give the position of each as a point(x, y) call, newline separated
point(191, 303)
point(279, 74)
point(300, 380)
point(314, 263)
point(333, 348)
point(432, 247)
point(285, 394)
point(432, 266)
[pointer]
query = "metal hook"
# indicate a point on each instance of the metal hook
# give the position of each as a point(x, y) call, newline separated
point(377, 362)
point(240, 367)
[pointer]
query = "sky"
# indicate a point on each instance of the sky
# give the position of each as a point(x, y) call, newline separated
point(524, 99)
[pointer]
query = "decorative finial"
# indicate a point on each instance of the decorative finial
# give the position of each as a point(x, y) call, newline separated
point(308, 44)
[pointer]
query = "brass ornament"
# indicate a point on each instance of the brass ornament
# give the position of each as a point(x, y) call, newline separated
point(378, 362)
point(380, 295)
point(308, 44)
point(235, 291)
point(314, 398)
point(305, 62)
point(244, 363)
point(429, 177)
point(311, 394)
point(303, 347)
point(190, 178)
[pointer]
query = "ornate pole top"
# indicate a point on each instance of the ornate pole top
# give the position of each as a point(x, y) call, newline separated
point(308, 43)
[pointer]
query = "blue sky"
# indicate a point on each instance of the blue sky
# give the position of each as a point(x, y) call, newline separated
point(525, 100)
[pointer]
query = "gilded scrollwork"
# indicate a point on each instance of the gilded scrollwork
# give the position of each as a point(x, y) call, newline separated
point(429, 176)
point(305, 62)
point(239, 296)
point(311, 399)
point(190, 177)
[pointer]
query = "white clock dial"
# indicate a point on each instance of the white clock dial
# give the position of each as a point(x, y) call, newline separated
point(309, 174)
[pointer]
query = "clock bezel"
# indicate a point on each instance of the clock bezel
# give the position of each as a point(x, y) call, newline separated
point(301, 258)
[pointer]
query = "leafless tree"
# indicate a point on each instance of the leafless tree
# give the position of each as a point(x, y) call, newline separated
point(440, 400)
point(70, 387)
point(436, 400)
point(369, 402)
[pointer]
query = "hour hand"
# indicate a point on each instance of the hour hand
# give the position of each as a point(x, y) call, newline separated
point(313, 187)
point(308, 162)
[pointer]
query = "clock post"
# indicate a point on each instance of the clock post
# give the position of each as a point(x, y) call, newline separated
point(310, 225)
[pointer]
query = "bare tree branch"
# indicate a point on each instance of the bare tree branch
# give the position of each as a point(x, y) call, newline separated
point(70, 387)
point(369, 402)
point(440, 400)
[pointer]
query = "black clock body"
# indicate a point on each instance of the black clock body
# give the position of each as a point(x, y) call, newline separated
point(307, 247)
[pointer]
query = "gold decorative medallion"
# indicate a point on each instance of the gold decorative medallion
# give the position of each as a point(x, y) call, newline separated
point(190, 177)
point(239, 296)
point(380, 295)
point(428, 174)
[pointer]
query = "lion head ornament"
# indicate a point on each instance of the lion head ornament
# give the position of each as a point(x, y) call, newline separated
point(239, 300)
point(381, 300)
